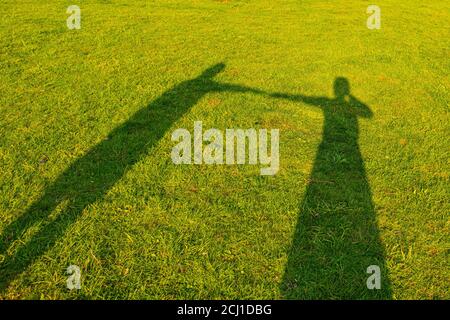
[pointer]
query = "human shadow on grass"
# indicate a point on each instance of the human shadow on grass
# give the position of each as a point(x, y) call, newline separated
point(336, 237)
point(90, 177)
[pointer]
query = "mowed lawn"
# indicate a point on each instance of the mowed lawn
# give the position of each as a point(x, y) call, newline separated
point(86, 176)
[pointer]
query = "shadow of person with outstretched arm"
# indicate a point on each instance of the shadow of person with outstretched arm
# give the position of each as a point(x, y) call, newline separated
point(91, 176)
point(336, 237)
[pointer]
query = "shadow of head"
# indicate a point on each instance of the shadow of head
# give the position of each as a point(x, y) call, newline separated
point(341, 88)
point(351, 105)
point(213, 71)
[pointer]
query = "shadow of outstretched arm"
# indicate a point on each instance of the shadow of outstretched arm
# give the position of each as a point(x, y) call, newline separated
point(311, 100)
point(226, 87)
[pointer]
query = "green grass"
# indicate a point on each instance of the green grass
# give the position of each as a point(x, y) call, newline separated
point(86, 177)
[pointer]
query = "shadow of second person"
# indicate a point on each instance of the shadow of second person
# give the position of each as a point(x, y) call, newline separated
point(336, 237)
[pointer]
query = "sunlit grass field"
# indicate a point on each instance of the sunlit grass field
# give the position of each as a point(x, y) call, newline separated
point(86, 176)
